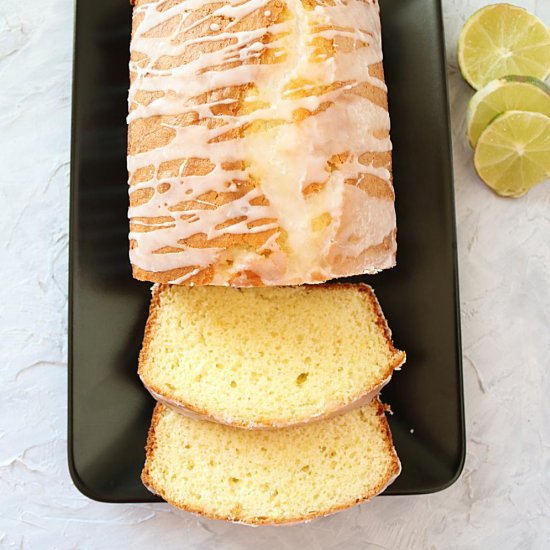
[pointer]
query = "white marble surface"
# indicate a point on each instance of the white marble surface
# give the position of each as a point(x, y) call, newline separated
point(502, 500)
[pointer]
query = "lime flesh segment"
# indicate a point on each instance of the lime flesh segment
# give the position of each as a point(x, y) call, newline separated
point(513, 153)
point(512, 93)
point(501, 40)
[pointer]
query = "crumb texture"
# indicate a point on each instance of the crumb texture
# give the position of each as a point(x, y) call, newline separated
point(270, 476)
point(266, 356)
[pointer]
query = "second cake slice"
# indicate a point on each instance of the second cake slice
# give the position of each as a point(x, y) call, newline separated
point(270, 477)
point(266, 357)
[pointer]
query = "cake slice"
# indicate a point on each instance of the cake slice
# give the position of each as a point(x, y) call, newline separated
point(270, 476)
point(266, 357)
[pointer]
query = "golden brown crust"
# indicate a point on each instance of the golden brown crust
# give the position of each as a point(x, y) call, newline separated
point(154, 306)
point(147, 480)
point(156, 131)
point(183, 407)
point(203, 277)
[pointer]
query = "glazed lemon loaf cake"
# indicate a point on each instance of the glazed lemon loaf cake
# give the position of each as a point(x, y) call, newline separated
point(266, 357)
point(262, 477)
point(258, 142)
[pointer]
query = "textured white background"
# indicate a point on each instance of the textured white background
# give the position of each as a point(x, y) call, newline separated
point(502, 500)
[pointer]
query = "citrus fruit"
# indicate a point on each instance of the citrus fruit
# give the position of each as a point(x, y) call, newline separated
point(519, 93)
point(513, 153)
point(500, 40)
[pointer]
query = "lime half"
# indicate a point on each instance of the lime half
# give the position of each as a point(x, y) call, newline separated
point(513, 153)
point(511, 93)
point(500, 40)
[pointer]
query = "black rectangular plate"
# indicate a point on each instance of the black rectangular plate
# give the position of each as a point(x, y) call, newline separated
point(109, 411)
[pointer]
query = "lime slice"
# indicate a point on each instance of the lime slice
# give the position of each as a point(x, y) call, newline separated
point(513, 153)
point(511, 93)
point(501, 39)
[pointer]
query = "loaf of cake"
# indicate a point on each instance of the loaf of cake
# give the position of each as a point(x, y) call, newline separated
point(270, 477)
point(266, 357)
point(258, 142)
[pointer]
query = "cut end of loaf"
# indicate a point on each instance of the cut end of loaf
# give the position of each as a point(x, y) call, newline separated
point(270, 477)
point(269, 357)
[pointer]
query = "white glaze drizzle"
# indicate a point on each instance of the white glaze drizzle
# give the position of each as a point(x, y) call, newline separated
point(283, 159)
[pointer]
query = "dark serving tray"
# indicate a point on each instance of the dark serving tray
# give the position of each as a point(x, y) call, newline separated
point(109, 411)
